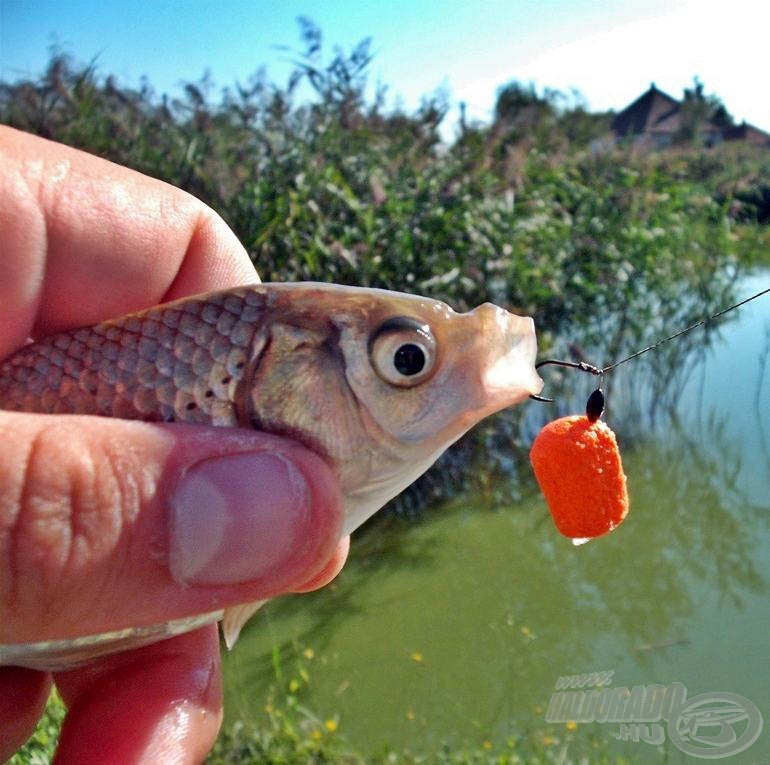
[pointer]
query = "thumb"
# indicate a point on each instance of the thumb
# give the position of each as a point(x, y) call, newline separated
point(107, 524)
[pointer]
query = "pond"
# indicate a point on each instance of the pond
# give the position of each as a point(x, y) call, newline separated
point(456, 629)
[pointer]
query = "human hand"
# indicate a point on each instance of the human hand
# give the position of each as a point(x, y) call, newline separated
point(91, 508)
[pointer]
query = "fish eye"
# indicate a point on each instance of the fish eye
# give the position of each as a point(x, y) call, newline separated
point(403, 351)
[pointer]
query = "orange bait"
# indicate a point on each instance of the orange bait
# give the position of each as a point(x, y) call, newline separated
point(577, 464)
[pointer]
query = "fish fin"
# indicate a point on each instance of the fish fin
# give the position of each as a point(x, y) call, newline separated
point(234, 618)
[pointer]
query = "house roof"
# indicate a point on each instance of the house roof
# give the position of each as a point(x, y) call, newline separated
point(750, 133)
point(653, 111)
point(657, 115)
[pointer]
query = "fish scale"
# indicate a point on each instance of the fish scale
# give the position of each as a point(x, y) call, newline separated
point(178, 363)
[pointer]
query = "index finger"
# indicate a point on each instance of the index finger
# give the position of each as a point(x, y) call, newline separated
point(85, 240)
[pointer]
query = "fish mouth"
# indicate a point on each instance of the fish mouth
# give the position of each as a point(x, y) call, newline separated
point(513, 373)
point(510, 375)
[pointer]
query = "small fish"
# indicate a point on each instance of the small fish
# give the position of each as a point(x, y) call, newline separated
point(649, 647)
point(380, 383)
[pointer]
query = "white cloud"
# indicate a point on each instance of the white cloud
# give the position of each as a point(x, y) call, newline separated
point(722, 44)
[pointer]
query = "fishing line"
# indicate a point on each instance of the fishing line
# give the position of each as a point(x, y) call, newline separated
point(686, 329)
point(600, 371)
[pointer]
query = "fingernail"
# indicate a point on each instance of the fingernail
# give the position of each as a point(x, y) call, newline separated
point(237, 518)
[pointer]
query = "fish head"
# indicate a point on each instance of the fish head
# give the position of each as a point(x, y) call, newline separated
point(426, 374)
point(402, 377)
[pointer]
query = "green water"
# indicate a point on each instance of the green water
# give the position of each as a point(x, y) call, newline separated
point(455, 629)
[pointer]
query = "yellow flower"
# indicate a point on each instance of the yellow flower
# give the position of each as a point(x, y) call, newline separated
point(550, 740)
point(527, 632)
point(415, 656)
point(308, 653)
point(331, 725)
point(571, 726)
point(410, 715)
point(316, 734)
point(487, 745)
point(293, 685)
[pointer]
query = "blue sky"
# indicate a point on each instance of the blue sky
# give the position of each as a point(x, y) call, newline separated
point(609, 51)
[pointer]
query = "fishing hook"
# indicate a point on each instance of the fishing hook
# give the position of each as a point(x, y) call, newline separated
point(580, 365)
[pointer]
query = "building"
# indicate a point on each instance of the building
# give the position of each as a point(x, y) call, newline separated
point(655, 121)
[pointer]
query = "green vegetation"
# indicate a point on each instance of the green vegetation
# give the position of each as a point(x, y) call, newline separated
point(279, 742)
point(535, 212)
point(528, 211)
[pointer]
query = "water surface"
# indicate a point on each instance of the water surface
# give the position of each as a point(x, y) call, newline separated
point(456, 628)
